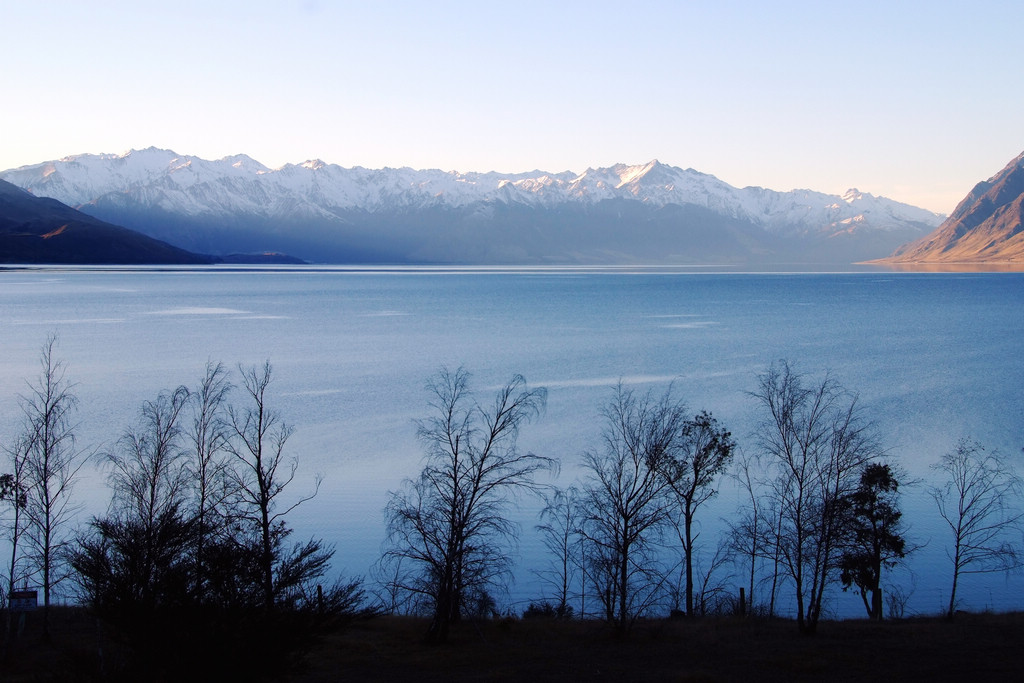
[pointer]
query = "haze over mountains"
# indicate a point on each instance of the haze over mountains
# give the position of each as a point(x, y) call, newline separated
point(651, 213)
point(986, 227)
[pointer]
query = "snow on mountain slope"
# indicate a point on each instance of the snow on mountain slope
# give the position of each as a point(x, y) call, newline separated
point(239, 185)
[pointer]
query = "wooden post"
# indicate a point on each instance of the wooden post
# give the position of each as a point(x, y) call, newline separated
point(743, 602)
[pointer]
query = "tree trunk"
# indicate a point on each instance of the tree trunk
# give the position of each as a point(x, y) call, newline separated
point(623, 588)
point(867, 604)
point(956, 577)
point(12, 578)
point(267, 560)
point(798, 586)
point(688, 551)
point(952, 594)
point(876, 604)
point(876, 590)
point(437, 633)
point(46, 588)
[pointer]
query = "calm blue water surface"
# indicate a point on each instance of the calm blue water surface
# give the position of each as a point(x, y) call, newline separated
point(933, 357)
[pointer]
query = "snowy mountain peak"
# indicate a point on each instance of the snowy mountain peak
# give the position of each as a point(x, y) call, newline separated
point(149, 155)
point(244, 162)
point(629, 174)
point(238, 190)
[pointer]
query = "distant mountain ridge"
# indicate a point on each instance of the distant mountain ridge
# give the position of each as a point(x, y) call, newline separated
point(323, 212)
point(986, 227)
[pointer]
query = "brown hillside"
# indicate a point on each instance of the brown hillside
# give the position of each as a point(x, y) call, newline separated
point(986, 227)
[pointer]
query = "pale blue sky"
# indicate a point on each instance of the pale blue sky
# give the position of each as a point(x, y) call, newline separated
point(912, 100)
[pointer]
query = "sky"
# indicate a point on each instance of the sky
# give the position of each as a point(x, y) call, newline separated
point(916, 101)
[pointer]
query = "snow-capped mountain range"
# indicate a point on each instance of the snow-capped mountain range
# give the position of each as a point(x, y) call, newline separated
point(324, 212)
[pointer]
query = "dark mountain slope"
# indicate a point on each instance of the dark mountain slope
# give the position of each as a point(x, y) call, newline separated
point(39, 230)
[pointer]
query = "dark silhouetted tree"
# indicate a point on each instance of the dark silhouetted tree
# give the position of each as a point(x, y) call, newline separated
point(139, 568)
point(627, 504)
point(751, 536)
point(699, 456)
point(128, 568)
point(979, 503)
point(148, 475)
point(815, 443)
point(560, 525)
point(260, 475)
point(52, 462)
point(14, 494)
point(875, 535)
point(450, 527)
point(711, 585)
point(208, 469)
point(135, 558)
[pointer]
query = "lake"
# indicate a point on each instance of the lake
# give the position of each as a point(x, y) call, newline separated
point(934, 358)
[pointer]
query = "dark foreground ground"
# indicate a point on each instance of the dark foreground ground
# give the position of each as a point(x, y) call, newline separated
point(974, 648)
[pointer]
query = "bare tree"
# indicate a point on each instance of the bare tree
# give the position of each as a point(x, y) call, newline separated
point(977, 502)
point(139, 566)
point(711, 592)
point(144, 537)
point(702, 452)
point(261, 476)
point(771, 544)
point(560, 530)
point(392, 594)
point(749, 536)
point(52, 462)
point(898, 596)
point(816, 443)
point(450, 525)
point(147, 474)
point(208, 469)
point(626, 502)
point(14, 491)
